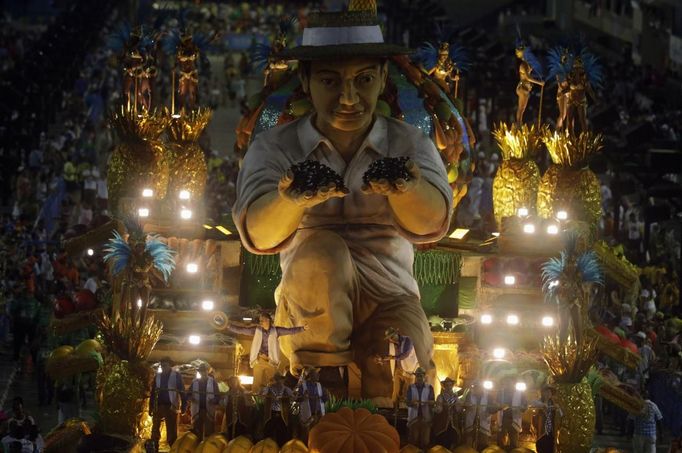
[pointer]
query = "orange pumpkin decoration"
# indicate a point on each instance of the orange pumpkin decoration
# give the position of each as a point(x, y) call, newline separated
point(353, 431)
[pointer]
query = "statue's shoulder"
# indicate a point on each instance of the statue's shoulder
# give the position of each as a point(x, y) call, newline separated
point(402, 132)
point(281, 134)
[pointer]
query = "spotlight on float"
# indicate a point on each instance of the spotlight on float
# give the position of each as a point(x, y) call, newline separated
point(175, 115)
point(488, 385)
point(522, 212)
point(547, 321)
point(198, 375)
point(529, 228)
point(552, 229)
point(159, 369)
point(90, 252)
point(499, 353)
point(521, 386)
point(486, 319)
point(247, 319)
point(496, 234)
point(245, 380)
point(512, 320)
point(562, 215)
point(185, 214)
point(147, 193)
point(184, 195)
point(139, 303)
point(509, 280)
point(143, 212)
point(194, 339)
point(207, 305)
point(459, 233)
point(192, 268)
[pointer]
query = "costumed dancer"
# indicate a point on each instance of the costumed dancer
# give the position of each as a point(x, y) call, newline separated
point(265, 56)
point(264, 356)
point(238, 405)
point(126, 40)
point(445, 420)
point(585, 76)
point(346, 265)
point(204, 396)
point(312, 397)
point(530, 73)
point(278, 399)
point(147, 72)
point(445, 63)
point(166, 402)
point(478, 410)
point(559, 64)
point(566, 280)
point(514, 404)
point(403, 361)
point(551, 415)
point(420, 402)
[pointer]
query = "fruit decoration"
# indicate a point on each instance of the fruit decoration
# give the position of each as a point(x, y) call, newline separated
point(311, 175)
point(388, 168)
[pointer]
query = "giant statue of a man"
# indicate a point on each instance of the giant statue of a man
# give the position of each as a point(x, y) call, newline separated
point(345, 249)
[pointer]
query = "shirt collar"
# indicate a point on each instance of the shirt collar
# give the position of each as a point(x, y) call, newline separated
point(310, 138)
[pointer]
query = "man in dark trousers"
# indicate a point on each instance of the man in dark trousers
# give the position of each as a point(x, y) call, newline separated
point(551, 413)
point(238, 404)
point(277, 399)
point(166, 402)
point(205, 396)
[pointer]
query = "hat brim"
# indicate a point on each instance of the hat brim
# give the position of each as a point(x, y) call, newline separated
point(304, 53)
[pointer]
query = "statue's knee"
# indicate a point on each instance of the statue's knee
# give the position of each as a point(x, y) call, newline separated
point(326, 251)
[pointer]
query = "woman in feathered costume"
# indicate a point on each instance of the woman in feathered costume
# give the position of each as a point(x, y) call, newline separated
point(445, 63)
point(264, 55)
point(139, 257)
point(566, 281)
point(560, 61)
point(530, 73)
point(586, 75)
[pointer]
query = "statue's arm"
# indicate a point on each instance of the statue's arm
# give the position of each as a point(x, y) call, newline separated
point(271, 219)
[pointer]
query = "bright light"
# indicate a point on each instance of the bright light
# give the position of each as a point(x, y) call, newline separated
point(522, 212)
point(521, 386)
point(529, 228)
point(147, 193)
point(488, 385)
point(198, 375)
point(486, 319)
point(245, 380)
point(496, 234)
point(223, 230)
point(185, 213)
point(553, 283)
point(562, 215)
point(509, 280)
point(139, 303)
point(192, 268)
point(90, 252)
point(184, 195)
point(207, 305)
point(159, 369)
point(175, 115)
point(552, 229)
point(247, 319)
point(208, 227)
point(512, 320)
point(194, 339)
point(143, 212)
point(499, 353)
point(547, 321)
point(459, 233)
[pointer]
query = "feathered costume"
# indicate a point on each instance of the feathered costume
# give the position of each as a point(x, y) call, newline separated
point(450, 57)
point(566, 280)
point(139, 257)
point(136, 51)
point(530, 72)
point(264, 56)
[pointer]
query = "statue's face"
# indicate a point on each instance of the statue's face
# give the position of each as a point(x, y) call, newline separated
point(345, 92)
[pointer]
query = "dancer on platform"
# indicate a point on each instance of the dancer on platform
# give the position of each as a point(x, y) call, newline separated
point(277, 399)
point(446, 420)
point(205, 396)
point(264, 357)
point(403, 361)
point(420, 402)
point(166, 402)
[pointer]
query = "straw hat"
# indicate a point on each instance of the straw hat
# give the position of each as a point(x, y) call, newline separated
point(352, 33)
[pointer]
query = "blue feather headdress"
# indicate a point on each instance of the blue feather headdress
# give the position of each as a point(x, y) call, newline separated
point(118, 252)
point(528, 56)
point(559, 62)
point(593, 68)
point(586, 265)
point(119, 38)
point(427, 54)
point(260, 53)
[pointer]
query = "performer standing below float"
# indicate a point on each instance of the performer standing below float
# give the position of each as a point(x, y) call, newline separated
point(264, 354)
point(403, 362)
point(205, 396)
point(551, 413)
point(166, 402)
point(345, 244)
point(513, 402)
point(478, 410)
point(313, 398)
point(276, 415)
point(420, 401)
point(445, 426)
point(237, 405)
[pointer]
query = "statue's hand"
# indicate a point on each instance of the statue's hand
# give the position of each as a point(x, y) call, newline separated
point(307, 198)
point(394, 186)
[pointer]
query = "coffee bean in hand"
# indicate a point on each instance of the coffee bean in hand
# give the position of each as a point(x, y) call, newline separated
point(388, 168)
point(311, 175)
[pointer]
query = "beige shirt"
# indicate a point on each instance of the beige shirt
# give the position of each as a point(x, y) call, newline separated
point(382, 250)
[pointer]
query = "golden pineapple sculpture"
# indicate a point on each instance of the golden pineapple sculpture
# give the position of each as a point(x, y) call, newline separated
point(363, 5)
point(516, 182)
point(187, 163)
point(139, 160)
point(569, 185)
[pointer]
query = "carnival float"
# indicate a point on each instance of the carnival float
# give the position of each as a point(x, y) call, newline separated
point(508, 314)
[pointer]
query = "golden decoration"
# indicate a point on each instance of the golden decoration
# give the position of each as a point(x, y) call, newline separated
point(187, 162)
point(577, 424)
point(139, 161)
point(363, 5)
point(123, 393)
point(516, 182)
point(569, 184)
point(568, 362)
point(616, 265)
point(129, 338)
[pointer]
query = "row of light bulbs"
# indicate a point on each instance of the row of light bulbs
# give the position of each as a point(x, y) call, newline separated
point(183, 195)
point(513, 320)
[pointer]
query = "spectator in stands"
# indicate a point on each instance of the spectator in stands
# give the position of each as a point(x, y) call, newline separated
point(647, 427)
